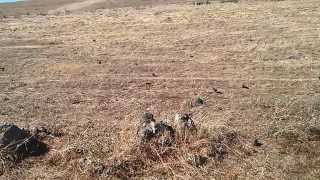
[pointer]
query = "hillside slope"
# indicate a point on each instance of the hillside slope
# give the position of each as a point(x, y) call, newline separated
point(92, 75)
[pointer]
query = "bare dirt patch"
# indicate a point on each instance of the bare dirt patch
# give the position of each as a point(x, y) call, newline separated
point(45, 7)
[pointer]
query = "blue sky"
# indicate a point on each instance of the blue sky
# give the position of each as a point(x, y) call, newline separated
point(5, 1)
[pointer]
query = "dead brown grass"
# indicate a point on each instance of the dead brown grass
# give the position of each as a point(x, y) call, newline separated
point(109, 66)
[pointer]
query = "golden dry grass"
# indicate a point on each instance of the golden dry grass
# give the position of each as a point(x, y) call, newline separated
point(92, 75)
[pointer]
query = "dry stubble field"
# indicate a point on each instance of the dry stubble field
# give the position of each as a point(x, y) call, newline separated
point(92, 75)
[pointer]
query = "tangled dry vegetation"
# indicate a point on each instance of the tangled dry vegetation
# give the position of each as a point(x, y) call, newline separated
point(161, 150)
point(246, 74)
point(167, 150)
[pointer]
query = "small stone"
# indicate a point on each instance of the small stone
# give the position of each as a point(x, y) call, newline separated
point(217, 91)
point(314, 134)
point(201, 2)
point(76, 101)
point(244, 86)
point(314, 131)
point(148, 85)
point(257, 143)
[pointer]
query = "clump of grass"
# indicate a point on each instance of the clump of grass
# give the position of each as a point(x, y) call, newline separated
point(184, 156)
point(197, 101)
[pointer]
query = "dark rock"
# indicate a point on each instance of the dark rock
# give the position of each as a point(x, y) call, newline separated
point(245, 87)
point(75, 101)
point(20, 143)
point(202, 2)
point(148, 85)
point(165, 134)
point(11, 133)
point(53, 43)
point(257, 143)
point(314, 131)
point(217, 91)
point(161, 127)
point(2, 69)
point(25, 148)
point(160, 133)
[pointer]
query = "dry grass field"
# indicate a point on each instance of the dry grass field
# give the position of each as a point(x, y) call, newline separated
point(91, 75)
